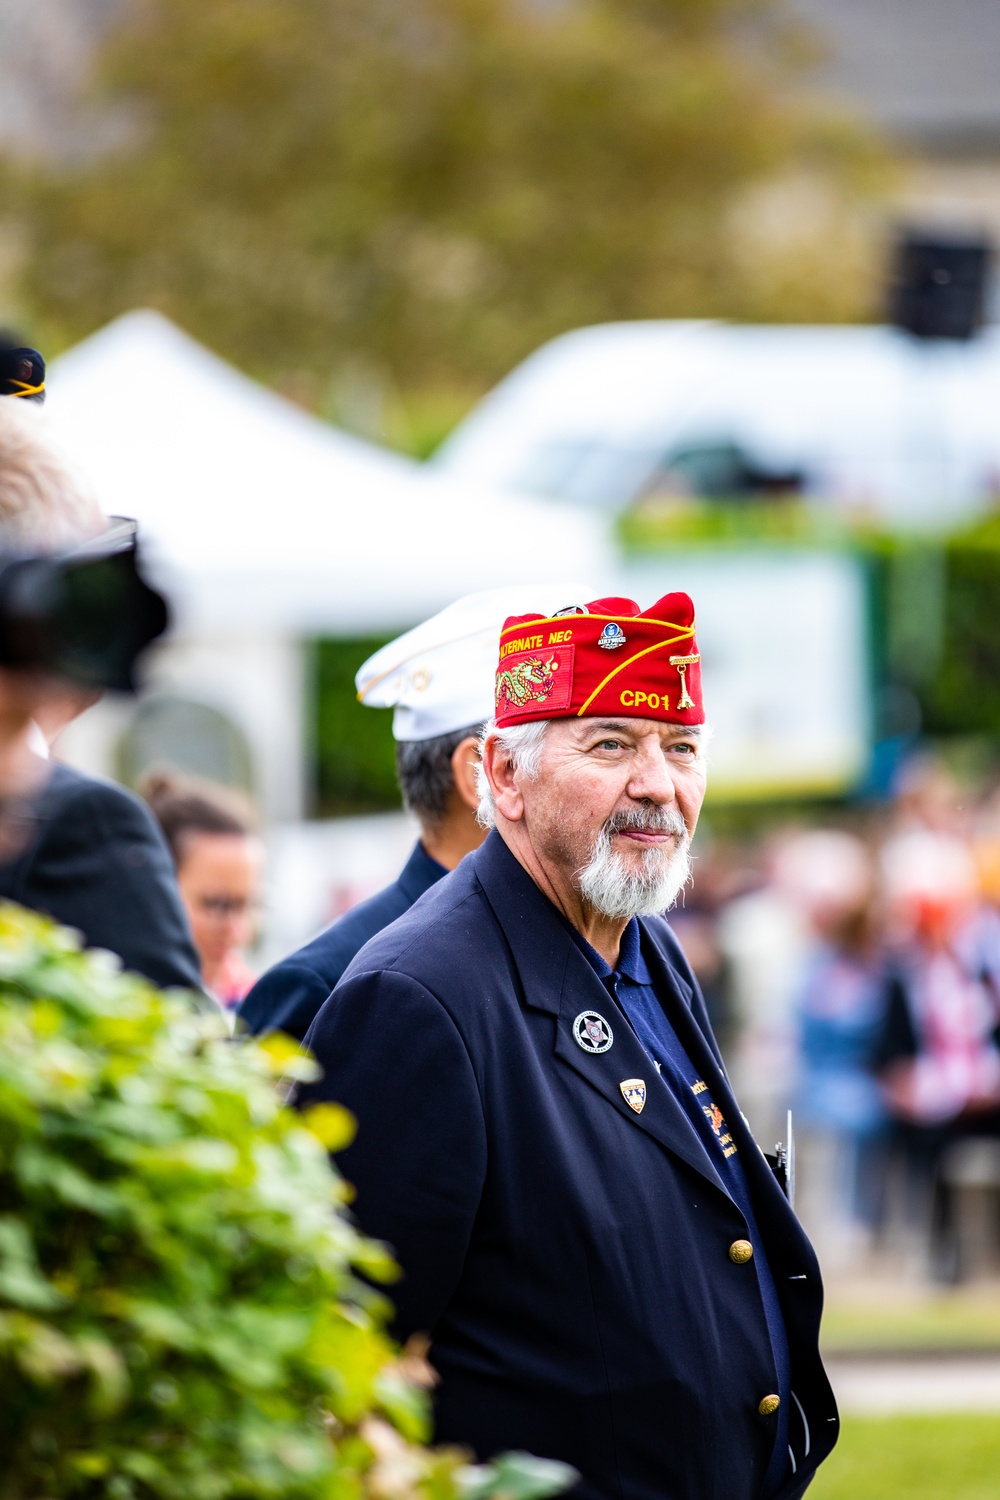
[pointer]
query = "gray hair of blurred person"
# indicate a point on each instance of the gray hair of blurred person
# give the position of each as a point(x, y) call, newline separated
point(45, 506)
point(426, 778)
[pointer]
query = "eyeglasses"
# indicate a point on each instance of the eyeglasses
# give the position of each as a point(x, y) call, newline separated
point(223, 908)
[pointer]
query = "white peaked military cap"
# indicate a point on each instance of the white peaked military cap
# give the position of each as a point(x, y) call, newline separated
point(439, 676)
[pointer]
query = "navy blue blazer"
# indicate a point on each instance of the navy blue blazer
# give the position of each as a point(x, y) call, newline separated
point(287, 997)
point(95, 859)
point(569, 1257)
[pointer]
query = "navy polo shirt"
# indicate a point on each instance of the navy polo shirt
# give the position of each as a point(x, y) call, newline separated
point(631, 985)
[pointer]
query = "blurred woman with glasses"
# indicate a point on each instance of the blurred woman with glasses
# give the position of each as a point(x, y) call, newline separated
point(213, 836)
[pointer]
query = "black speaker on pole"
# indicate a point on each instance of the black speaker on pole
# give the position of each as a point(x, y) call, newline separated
point(939, 288)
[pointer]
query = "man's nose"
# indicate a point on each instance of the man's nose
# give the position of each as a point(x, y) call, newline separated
point(651, 779)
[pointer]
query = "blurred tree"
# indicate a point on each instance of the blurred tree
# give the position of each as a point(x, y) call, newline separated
point(415, 193)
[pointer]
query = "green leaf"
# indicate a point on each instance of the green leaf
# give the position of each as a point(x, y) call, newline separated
point(516, 1476)
point(21, 1281)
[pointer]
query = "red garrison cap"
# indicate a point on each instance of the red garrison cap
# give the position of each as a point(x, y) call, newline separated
point(602, 658)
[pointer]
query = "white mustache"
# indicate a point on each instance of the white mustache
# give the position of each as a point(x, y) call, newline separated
point(645, 820)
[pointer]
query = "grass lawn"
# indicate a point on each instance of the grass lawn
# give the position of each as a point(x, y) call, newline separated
point(908, 1319)
point(913, 1458)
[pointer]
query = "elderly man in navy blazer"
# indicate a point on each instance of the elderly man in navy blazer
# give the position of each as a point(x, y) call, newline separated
point(609, 1272)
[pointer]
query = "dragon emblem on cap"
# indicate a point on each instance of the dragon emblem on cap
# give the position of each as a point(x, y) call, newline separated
point(528, 681)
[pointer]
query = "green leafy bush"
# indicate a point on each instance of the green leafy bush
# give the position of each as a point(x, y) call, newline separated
point(181, 1314)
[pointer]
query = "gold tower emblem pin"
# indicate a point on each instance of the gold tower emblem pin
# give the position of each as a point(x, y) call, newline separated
point(682, 663)
point(634, 1093)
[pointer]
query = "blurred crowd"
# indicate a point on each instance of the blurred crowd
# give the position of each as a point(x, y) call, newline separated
point(854, 972)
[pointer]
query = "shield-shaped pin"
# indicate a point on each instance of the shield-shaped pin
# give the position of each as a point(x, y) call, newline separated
point(634, 1093)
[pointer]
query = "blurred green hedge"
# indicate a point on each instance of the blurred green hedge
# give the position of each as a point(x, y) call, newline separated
point(935, 599)
point(181, 1311)
point(353, 752)
point(962, 693)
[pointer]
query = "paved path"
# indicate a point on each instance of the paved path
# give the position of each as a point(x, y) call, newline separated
point(878, 1386)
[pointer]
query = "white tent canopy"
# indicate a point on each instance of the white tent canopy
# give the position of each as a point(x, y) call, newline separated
point(258, 515)
point(869, 417)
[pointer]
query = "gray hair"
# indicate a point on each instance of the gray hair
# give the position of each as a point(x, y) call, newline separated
point(522, 745)
point(44, 504)
point(425, 775)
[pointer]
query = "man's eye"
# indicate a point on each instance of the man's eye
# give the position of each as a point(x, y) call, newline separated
point(609, 745)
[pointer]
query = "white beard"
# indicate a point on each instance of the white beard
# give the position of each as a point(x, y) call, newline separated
point(617, 889)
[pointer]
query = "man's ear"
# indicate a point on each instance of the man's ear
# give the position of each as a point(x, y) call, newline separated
point(464, 761)
point(500, 775)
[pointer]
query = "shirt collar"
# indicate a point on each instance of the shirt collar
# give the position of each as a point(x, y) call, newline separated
point(631, 964)
point(420, 872)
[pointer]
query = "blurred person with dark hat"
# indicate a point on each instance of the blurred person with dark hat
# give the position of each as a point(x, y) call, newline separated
point(608, 1270)
point(22, 371)
point(81, 850)
point(438, 678)
point(219, 858)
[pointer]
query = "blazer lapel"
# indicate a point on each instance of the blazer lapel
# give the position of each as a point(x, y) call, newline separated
point(557, 978)
point(663, 1116)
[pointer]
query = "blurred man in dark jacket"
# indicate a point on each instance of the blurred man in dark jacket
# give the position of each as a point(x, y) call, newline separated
point(82, 851)
point(94, 859)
